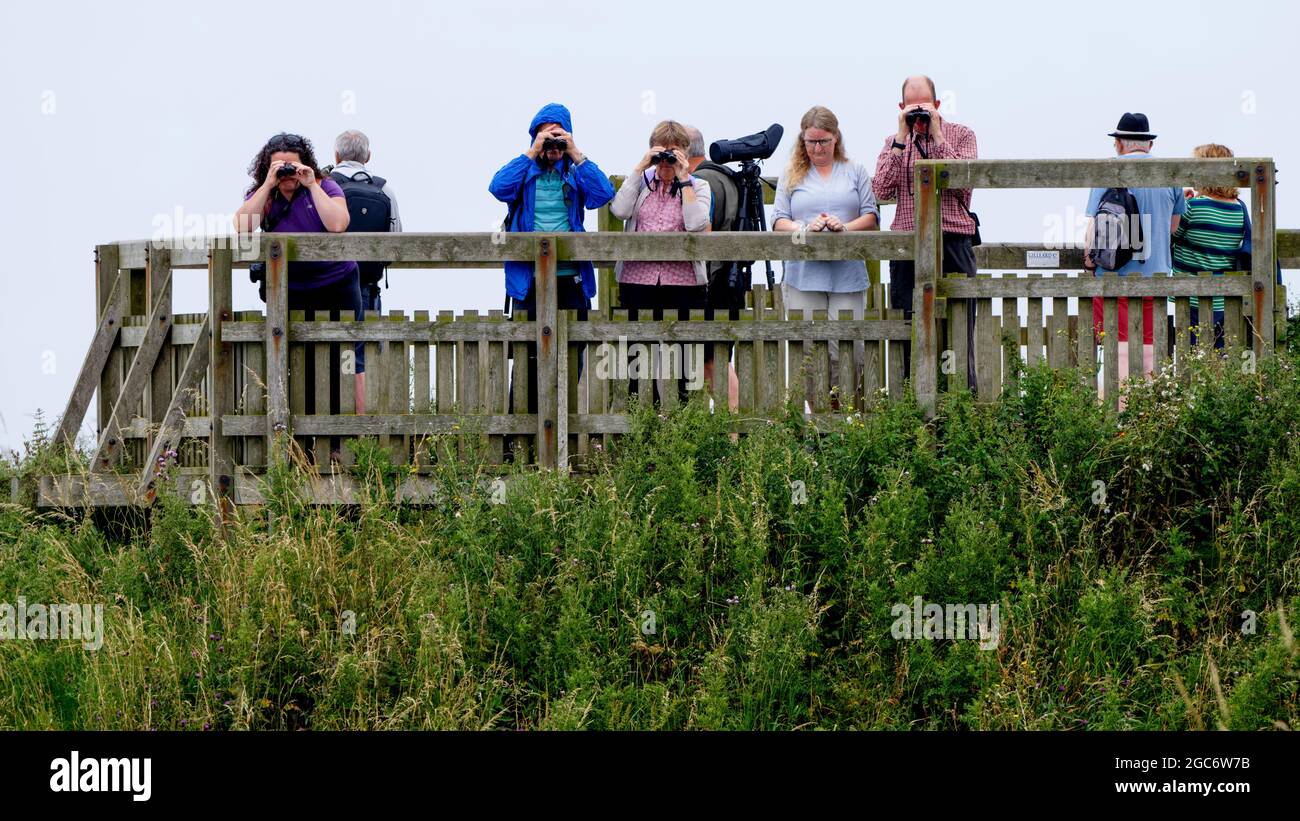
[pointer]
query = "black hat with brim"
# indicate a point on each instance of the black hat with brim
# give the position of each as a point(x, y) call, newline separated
point(1133, 127)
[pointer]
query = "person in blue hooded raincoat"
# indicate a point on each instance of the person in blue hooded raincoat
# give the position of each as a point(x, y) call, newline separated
point(550, 190)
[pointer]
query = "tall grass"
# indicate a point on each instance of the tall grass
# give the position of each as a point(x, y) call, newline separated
point(1122, 549)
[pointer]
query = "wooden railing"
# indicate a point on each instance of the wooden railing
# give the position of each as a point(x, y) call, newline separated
point(214, 398)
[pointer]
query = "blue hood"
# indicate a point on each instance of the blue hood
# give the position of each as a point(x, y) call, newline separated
point(551, 113)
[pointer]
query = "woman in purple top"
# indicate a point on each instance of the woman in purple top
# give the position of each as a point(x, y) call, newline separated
point(299, 200)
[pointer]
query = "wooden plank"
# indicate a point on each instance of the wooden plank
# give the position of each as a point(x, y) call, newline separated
point(619, 386)
point(298, 379)
point(1153, 172)
point(376, 381)
point(964, 288)
point(1110, 351)
point(594, 330)
point(1233, 327)
point(602, 248)
point(252, 401)
point(1135, 338)
point(1087, 344)
point(1034, 328)
point(1182, 332)
point(423, 402)
point(1264, 224)
point(897, 374)
point(548, 354)
point(565, 379)
point(110, 381)
point(988, 373)
point(519, 380)
point(91, 376)
point(798, 364)
point(959, 343)
point(398, 367)
point(445, 378)
point(1058, 332)
point(1205, 317)
point(169, 432)
point(347, 390)
point(928, 253)
point(109, 451)
point(819, 399)
point(221, 390)
point(158, 270)
point(745, 366)
point(1160, 335)
point(495, 384)
point(319, 353)
point(1010, 340)
point(873, 359)
point(762, 387)
point(468, 392)
point(377, 424)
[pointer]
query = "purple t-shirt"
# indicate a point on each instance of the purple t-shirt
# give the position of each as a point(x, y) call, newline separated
point(299, 216)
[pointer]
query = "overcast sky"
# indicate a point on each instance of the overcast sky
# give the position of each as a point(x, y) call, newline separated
point(120, 114)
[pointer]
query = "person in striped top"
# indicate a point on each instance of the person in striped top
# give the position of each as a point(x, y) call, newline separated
point(1210, 235)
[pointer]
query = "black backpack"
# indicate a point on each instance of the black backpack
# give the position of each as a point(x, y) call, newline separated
point(726, 196)
point(371, 210)
point(726, 214)
point(1113, 230)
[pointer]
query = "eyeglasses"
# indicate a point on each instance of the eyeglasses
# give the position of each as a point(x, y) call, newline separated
point(819, 143)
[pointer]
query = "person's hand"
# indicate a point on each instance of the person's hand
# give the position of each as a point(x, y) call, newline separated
point(833, 222)
point(535, 150)
point(1188, 193)
point(272, 180)
point(818, 224)
point(935, 129)
point(683, 167)
point(903, 128)
point(648, 159)
point(305, 176)
point(558, 133)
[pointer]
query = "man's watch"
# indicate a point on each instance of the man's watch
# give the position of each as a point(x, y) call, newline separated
point(899, 145)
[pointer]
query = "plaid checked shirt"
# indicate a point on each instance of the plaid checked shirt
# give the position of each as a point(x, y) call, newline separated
point(894, 178)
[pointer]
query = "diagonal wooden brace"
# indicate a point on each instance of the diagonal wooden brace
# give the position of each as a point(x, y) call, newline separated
point(160, 323)
point(169, 435)
point(110, 321)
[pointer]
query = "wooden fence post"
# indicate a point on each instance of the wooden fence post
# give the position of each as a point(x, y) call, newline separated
point(1263, 266)
point(220, 357)
point(107, 269)
point(277, 354)
point(548, 355)
point(925, 349)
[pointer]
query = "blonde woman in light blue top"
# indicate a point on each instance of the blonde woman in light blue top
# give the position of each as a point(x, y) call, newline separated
point(821, 190)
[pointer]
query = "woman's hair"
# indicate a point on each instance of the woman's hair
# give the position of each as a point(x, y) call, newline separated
point(816, 117)
point(281, 142)
point(670, 134)
point(1214, 151)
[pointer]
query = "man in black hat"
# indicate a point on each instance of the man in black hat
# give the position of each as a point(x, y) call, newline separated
point(1160, 209)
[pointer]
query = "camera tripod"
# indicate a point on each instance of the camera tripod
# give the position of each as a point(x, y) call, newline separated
point(749, 217)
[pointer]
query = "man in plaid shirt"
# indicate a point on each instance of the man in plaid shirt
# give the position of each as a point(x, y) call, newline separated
point(936, 139)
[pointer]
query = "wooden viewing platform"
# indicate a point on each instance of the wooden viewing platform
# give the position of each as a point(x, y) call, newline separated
point(227, 390)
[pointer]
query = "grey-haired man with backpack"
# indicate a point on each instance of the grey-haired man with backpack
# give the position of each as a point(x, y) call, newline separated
point(1128, 232)
point(371, 202)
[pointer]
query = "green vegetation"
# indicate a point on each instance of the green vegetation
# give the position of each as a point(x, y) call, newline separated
point(1122, 549)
